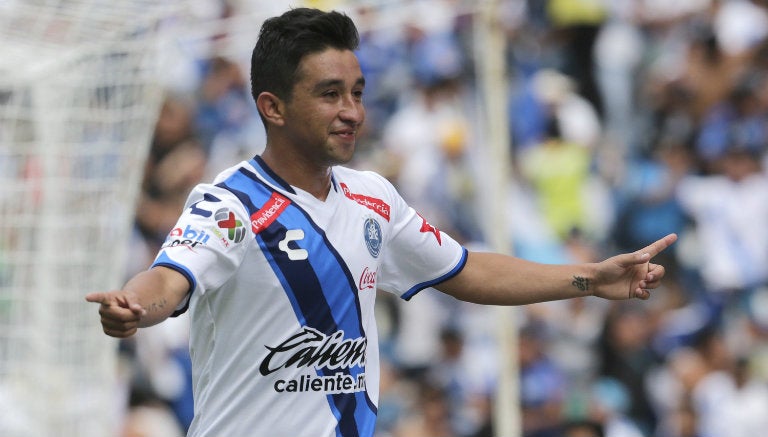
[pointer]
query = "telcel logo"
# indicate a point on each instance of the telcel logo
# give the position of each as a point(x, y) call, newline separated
point(186, 237)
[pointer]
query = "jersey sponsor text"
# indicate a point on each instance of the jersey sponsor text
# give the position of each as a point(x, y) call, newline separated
point(268, 213)
point(377, 205)
point(337, 383)
point(312, 348)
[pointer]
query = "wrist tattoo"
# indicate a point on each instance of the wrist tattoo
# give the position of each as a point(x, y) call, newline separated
point(580, 283)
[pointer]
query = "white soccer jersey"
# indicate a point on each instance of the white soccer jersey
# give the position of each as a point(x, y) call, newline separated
point(283, 338)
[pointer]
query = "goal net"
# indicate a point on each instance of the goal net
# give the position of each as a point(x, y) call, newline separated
point(78, 103)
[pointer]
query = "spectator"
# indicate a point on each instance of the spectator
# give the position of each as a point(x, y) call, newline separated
point(176, 162)
point(558, 172)
point(583, 428)
point(578, 23)
point(626, 357)
point(467, 404)
point(226, 117)
point(429, 415)
point(731, 402)
point(541, 384)
point(730, 212)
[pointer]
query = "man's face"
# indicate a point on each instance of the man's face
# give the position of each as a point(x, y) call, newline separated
point(325, 111)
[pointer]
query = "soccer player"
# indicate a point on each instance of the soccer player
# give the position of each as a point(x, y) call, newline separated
point(278, 260)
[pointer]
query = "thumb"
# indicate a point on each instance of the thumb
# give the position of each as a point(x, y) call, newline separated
point(135, 307)
point(630, 259)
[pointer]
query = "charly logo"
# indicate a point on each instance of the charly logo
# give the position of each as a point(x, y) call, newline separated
point(226, 220)
point(293, 254)
point(372, 235)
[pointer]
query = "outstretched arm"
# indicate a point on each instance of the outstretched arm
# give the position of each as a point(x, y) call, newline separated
point(147, 299)
point(496, 279)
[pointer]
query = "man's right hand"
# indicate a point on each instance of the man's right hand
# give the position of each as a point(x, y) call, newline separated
point(120, 314)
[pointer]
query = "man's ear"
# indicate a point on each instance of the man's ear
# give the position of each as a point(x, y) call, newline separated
point(271, 108)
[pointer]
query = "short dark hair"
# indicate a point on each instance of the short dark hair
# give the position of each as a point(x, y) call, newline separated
point(286, 39)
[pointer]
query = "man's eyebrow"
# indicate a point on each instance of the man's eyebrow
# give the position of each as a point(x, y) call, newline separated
point(330, 83)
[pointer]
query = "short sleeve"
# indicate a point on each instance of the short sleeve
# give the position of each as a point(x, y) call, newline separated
point(209, 240)
point(417, 255)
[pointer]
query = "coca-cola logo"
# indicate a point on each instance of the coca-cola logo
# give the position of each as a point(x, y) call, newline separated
point(367, 279)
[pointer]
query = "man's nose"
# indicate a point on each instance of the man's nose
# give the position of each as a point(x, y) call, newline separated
point(352, 110)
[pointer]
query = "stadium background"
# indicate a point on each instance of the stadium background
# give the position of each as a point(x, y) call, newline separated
point(627, 120)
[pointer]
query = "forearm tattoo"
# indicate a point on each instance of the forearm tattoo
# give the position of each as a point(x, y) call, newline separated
point(158, 306)
point(580, 283)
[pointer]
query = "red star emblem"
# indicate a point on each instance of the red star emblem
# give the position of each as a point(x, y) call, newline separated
point(426, 227)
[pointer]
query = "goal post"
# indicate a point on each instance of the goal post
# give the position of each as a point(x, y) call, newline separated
point(490, 47)
point(79, 97)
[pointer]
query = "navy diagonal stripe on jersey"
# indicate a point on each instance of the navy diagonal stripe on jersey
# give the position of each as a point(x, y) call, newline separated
point(326, 301)
point(269, 175)
point(337, 285)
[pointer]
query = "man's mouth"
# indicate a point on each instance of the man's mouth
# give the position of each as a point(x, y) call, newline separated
point(347, 134)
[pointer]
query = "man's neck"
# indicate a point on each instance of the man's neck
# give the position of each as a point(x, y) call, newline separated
point(298, 172)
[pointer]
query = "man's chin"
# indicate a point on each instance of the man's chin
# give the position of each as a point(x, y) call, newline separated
point(342, 156)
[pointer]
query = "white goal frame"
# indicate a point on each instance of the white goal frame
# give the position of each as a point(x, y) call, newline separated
point(79, 97)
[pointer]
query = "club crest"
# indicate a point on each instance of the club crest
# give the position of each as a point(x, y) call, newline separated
point(372, 236)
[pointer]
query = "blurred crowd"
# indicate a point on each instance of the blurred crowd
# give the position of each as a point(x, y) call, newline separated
point(628, 120)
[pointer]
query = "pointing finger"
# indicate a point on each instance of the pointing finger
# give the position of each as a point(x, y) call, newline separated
point(97, 297)
point(116, 306)
point(657, 247)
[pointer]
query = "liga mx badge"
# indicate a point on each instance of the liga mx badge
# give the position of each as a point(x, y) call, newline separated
point(372, 235)
point(226, 221)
